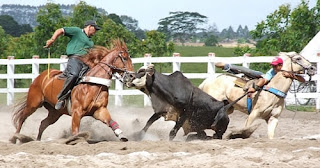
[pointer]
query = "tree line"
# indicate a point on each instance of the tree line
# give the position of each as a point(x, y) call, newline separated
point(285, 29)
point(23, 41)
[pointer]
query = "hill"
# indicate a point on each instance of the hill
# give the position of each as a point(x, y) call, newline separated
point(29, 13)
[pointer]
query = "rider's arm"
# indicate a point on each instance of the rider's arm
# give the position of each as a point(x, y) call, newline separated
point(293, 76)
point(258, 85)
point(55, 35)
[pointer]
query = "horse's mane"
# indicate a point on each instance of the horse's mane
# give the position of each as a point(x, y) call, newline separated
point(97, 53)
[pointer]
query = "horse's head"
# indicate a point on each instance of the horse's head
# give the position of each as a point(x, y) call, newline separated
point(115, 61)
point(296, 63)
point(119, 62)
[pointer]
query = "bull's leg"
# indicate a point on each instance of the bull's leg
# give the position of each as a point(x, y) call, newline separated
point(178, 125)
point(52, 117)
point(103, 115)
point(220, 124)
point(202, 135)
point(151, 120)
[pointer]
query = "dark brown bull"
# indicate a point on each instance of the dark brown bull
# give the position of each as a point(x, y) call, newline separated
point(175, 94)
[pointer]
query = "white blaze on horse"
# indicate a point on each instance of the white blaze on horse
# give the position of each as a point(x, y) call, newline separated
point(265, 105)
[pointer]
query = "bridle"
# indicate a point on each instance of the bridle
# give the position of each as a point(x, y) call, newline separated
point(298, 62)
point(112, 67)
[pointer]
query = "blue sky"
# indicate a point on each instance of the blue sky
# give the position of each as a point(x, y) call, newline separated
point(223, 13)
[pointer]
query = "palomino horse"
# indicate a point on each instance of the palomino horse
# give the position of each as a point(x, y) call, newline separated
point(265, 105)
point(88, 99)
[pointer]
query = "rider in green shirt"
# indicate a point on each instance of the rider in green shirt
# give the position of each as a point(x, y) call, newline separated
point(78, 45)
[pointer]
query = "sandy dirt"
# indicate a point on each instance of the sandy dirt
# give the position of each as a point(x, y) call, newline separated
point(296, 143)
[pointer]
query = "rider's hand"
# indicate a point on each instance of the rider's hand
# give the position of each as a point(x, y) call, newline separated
point(287, 75)
point(49, 43)
point(251, 90)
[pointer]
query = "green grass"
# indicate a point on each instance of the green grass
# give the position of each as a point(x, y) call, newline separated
point(302, 108)
point(203, 51)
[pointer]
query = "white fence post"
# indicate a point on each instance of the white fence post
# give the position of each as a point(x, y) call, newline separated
point(176, 64)
point(63, 66)
point(10, 80)
point(146, 99)
point(245, 63)
point(35, 67)
point(211, 69)
point(118, 97)
point(318, 86)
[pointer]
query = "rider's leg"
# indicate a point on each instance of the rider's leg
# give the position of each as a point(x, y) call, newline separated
point(73, 69)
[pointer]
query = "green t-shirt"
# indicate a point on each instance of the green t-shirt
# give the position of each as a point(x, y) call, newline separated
point(79, 42)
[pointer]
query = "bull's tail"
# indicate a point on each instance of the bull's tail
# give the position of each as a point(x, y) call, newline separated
point(221, 121)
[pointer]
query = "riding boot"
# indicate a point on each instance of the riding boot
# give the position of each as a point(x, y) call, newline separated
point(73, 70)
point(65, 92)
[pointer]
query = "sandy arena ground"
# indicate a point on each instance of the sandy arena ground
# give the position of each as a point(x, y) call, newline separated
point(296, 143)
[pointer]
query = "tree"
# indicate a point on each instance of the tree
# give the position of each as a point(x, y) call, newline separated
point(213, 30)
point(83, 12)
point(22, 47)
point(132, 25)
point(110, 30)
point(286, 29)
point(182, 25)
point(3, 42)
point(115, 18)
point(10, 26)
point(212, 40)
point(50, 19)
point(155, 43)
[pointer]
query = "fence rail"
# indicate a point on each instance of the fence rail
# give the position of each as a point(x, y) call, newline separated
point(176, 61)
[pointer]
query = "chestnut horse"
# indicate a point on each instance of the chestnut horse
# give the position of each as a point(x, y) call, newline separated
point(265, 105)
point(88, 99)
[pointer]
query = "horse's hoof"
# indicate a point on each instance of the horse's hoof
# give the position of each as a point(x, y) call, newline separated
point(21, 138)
point(13, 140)
point(122, 138)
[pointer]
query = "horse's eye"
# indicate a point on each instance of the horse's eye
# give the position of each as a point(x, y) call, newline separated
point(299, 58)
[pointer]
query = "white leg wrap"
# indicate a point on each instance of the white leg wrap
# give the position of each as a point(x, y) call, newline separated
point(118, 131)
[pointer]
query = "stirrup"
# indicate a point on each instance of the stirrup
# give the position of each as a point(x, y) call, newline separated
point(60, 104)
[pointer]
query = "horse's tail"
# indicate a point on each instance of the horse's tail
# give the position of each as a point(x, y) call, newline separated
point(18, 112)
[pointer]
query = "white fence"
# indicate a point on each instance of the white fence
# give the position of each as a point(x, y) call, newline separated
point(119, 92)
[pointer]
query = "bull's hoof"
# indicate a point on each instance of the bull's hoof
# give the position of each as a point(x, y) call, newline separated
point(216, 136)
point(172, 134)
